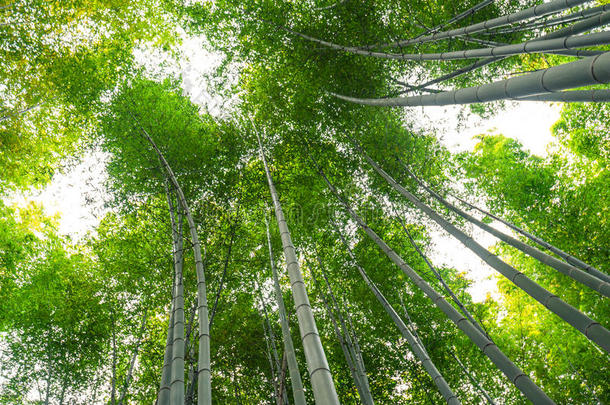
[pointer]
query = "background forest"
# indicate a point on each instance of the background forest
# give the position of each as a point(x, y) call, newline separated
point(176, 104)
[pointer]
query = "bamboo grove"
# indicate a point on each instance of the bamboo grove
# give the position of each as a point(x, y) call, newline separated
point(267, 235)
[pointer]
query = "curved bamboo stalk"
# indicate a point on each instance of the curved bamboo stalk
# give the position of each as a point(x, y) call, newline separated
point(578, 28)
point(560, 20)
point(418, 349)
point(539, 10)
point(512, 372)
point(298, 392)
point(567, 269)
point(319, 371)
point(574, 96)
point(204, 387)
point(569, 43)
point(587, 326)
point(584, 72)
point(567, 257)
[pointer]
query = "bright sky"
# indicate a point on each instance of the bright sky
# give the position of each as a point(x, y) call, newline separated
point(75, 195)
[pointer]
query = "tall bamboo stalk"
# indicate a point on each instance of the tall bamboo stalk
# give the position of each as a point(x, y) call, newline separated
point(319, 371)
point(567, 257)
point(533, 46)
point(578, 28)
point(584, 72)
point(177, 380)
point(440, 278)
point(567, 269)
point(587, 326)
point(418, 349)
point(204, 387)
point(347, 351)
point(163, 395)
point(298, 392)
point(512, 372)
point(539, 10)
point(350, 338)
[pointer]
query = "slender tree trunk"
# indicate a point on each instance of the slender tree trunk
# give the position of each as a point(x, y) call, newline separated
point(591, 329)
point(459, 17)
point(177, 380)
point(440, 278)
point(584, 72)
point(6, 117)
point(319, 372)
point(579, 15)
point(192, 365)
point(512, 372)
point(539, 10)
point(576, 274)
point(474, 381)
point(114, 361)
point(568, 258)
point(578, 28)
point(163, 396)
point(224, 273)
point(272, 365)
point(418, 349)
point(274, 352)
point(298, 392)
point(204, 387)
point(282, 382)
point(347, 353)
point(351, 342)
point(133, 360)
point(569, 43)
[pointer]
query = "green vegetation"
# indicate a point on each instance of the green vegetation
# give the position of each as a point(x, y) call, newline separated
point(181, 257)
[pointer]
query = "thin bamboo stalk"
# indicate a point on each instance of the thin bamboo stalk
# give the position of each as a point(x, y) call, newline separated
point(512, 372)
point(567, 269)
point(177, 381)
point(584, 72)
point(567, 257)
point(298, 392)
point(539, 10)
point(319, 371)
point(587, 326)
point(204, 387)
point(418, 349)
